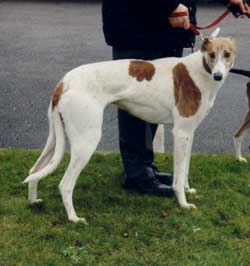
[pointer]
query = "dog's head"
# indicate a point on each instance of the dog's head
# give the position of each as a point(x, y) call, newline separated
point(218, 56)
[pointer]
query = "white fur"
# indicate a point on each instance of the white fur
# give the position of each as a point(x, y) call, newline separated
point(90, 88)
point(237, 146)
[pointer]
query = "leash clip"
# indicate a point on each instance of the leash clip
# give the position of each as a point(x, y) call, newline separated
point(197, 32)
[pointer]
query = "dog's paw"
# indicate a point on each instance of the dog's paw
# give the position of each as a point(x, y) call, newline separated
point(191, 190)
point(79, 220)
point(36, 201)
point(242, 159)
point(188, 206)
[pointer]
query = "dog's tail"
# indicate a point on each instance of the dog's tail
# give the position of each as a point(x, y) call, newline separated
point(49, 148)
point(53, 151)
point(242, 72)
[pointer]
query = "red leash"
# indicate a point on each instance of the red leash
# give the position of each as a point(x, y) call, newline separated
point(231, 8)
point(196, 29)
point(215, 22)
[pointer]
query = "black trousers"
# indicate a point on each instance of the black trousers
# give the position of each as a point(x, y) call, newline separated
point(135, 135)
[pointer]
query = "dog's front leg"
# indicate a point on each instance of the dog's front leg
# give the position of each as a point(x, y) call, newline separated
point(189, 152)
point(182, 143)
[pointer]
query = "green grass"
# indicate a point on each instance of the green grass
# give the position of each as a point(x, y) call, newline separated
point(125, 229)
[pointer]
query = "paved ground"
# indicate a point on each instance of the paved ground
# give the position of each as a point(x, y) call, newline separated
point(39, 42)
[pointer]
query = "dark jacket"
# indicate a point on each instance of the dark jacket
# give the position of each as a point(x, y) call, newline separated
point(144, 24)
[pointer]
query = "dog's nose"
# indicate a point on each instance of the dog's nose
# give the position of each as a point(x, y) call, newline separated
point(217, 76)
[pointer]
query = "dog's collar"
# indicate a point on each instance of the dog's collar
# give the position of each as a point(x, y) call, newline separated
point(206, 66)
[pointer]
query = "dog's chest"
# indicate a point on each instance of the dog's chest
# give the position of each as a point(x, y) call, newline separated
point(207, 103)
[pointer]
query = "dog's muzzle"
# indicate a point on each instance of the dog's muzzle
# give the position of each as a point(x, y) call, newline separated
point(217, 76)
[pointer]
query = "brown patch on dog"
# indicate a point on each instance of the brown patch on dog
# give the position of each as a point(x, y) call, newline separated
point(141, 70)
point(57, 94)
point(246, 123)
point(244, 126)
point(187, 94)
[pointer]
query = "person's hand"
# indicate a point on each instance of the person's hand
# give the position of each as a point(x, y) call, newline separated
point(180, 22)
point(243, 6)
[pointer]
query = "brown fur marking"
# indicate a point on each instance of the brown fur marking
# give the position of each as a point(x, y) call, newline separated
point(57, 94)
point(187, 94)
point(141, 70)
point(244, 126)
point(246, 122)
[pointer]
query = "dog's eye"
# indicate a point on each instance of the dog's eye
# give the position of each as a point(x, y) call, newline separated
point(227, 54)
point(212, 55)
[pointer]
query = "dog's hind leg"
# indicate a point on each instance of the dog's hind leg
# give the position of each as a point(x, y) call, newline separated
point(81, 152)
point(239, 136)
point(83, 127)
point(80, 155)
point(33, 192)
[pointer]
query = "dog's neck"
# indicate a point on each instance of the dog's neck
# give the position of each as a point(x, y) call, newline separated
point(198, 62)
point(206, 66)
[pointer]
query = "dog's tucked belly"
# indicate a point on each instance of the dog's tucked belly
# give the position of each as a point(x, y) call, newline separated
point(149, 101)
point(151, 113)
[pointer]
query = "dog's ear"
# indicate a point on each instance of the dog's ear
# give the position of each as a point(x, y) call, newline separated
point(205, 44)
point(216, 32)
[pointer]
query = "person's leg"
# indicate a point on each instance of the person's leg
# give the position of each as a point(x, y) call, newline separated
point(135, 135)
point(146, 135)
point(164, 178)
point(132, 138)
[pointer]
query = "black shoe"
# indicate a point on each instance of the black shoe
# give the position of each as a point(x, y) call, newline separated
point(148, 185)
point(164, 178)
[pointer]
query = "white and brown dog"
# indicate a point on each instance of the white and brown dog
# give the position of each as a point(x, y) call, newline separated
point(245, 126)
point(171, 90)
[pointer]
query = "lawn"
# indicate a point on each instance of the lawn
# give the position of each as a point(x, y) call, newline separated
point(125, 229)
